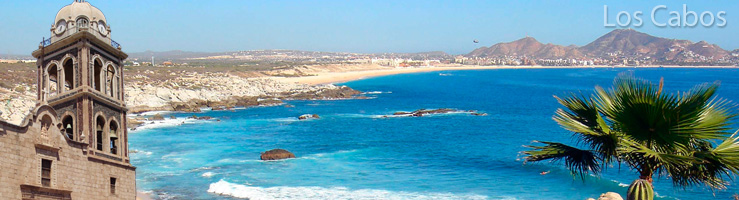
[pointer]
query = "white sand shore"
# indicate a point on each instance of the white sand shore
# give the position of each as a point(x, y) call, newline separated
point(340, 77)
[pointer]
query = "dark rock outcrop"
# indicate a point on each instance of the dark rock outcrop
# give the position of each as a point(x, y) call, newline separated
point(276, 154)
point(190, 106)
point(308, 116)
point(422, 112)
point(200, 118)
point(157, 117)
point(342, 92)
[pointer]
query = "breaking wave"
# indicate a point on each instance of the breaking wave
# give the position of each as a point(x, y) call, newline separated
point(283, 192)
point(166, 123)
point(377, 92)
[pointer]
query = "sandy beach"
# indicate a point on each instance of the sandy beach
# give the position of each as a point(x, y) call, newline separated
point(340, 77)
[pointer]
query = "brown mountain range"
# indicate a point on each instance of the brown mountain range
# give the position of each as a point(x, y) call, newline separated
point(617, 43)
point(529, 47)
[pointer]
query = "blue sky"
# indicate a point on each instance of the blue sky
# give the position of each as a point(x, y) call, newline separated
point(354, 26)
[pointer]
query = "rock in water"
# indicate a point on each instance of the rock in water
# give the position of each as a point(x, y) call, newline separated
point(308, 116)
point(277, 154)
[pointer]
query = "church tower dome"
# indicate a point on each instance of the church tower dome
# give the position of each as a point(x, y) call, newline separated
point(80, 16)
point(79, 9)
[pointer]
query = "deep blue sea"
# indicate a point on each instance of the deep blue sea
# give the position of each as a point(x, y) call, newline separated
point(352, 152)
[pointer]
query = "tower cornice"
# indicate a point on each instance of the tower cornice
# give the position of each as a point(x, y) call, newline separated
point(76, 37)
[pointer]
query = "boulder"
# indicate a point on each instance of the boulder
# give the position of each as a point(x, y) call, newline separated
point(276, 154)
point(308, 116)
point(157, 117)
point(190, 106)
point(610, 196)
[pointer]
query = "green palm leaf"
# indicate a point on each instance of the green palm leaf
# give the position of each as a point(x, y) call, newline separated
point(580, 162)
point(652, 131)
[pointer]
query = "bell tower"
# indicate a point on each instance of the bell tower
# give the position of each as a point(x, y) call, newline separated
point(80, 76)
point(73, 144)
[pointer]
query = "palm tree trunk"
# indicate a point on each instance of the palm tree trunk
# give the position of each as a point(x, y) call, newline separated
point(646, 175)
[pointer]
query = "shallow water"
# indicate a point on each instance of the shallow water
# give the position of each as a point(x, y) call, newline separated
point(352, 152)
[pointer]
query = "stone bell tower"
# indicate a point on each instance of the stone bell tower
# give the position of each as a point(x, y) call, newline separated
point(80, 75)
point(74, 143)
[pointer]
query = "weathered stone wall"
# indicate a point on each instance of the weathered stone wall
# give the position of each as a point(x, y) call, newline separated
point(108, 112)
point(75, 172)
point(66, 107)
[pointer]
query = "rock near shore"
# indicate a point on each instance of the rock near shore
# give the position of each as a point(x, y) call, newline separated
point(422, 112)
point(276, 154)
point(308, 116)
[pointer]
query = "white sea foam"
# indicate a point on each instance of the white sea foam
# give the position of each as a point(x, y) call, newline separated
point(258, 193)
point(207, 174)
point(150, 113)
point(140, 152)
point(377, 92)
point(322, 155)
point(166, 123)
point(285, 119)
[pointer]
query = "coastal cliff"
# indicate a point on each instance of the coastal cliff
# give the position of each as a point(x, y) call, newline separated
point(222, 91)
point(188, 91)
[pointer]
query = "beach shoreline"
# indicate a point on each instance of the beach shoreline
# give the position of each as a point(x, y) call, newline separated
point(341, 77)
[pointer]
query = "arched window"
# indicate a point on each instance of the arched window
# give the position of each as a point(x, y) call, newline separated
point(68, 75)
point(113, 134)
point(99, 127)
point(53, 85)
point(110, 81)
point(82, 22)
point(68, 126)
point(98, 70)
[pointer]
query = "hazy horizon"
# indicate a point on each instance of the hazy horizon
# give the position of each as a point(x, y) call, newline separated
point(356, 26)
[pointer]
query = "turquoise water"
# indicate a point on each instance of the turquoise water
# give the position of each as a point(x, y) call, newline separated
point(354, 153)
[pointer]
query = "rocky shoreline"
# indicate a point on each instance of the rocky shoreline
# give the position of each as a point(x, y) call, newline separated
point(191, 92)
point(328, 92)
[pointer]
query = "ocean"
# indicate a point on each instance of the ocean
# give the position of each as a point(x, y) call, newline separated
point(353, 152)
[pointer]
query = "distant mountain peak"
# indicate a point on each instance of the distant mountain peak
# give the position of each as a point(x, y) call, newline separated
point(616, 43)
point(527, 46)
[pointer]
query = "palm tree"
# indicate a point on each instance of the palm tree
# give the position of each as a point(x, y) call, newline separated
point(684, 135)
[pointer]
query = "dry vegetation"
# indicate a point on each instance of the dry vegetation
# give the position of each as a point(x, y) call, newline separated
point(16, 75)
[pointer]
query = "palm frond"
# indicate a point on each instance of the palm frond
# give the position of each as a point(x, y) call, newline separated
point(578, 161)
point(712, 166)
point(584, 119)
point(655, 132)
